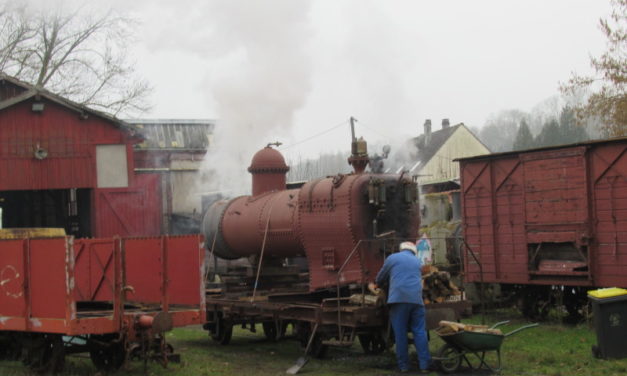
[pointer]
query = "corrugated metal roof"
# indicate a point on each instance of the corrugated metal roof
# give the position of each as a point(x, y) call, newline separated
point(174, 134)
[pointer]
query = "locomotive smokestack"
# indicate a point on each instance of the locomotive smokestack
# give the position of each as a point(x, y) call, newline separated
point(359, 151)
point(268, 169)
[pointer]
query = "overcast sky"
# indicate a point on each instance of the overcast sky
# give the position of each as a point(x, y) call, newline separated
point(287, 70)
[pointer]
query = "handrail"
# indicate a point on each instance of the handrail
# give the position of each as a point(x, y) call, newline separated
point(263, 248)
point(481, 297)
point(339, 274)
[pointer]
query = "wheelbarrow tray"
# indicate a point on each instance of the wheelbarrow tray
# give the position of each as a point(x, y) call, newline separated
point(474, 341)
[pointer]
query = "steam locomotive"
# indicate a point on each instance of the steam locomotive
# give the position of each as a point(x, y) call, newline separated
point(342, 227)
point(341, 224)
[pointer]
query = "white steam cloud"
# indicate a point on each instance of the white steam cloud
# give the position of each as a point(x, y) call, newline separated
point(263, 78)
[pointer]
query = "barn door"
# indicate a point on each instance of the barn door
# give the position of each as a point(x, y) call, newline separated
point(132, 211)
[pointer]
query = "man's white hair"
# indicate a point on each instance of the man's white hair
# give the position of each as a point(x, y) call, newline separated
point(409, 246)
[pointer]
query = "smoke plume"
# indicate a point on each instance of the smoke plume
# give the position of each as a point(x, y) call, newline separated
point(262, 77)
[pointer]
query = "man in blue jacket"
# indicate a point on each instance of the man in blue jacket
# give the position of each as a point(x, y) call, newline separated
point(407, 309)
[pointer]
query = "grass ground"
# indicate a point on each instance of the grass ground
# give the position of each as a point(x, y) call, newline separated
point(550, 349)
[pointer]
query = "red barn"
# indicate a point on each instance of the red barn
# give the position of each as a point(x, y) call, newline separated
point(66, 165)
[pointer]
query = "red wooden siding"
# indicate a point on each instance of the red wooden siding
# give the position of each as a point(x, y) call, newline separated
point(514, 202)
point(69, 140)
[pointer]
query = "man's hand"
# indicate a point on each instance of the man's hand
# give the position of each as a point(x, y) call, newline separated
point(373, 288)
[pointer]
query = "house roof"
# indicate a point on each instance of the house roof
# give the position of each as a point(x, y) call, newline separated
point(32, 91)
point(428, 146)
point(174, 134)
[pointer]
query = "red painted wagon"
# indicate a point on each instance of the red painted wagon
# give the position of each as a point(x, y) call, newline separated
point(111, 297)
point(549, 223)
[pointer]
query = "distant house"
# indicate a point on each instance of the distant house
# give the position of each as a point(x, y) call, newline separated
point(436, 152)
point(175, 149)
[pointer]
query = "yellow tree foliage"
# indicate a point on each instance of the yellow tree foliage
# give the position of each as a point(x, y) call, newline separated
point(607, 101)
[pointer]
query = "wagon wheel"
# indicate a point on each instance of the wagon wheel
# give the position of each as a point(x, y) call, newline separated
point(373, 344)
point(270, 330)
point(10, 347)
point(450, 358)
point(108, 355)
point(46, 353)
point(222, 333)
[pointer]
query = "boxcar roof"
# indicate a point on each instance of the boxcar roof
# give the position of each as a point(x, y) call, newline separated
point(554, 147)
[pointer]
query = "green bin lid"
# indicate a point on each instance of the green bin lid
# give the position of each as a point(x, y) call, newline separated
point(607, 293)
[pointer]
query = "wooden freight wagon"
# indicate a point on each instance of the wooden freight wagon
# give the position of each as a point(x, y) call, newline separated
point(110, 297)
point(555, 216)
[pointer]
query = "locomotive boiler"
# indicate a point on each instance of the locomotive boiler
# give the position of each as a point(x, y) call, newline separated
point(341, 224)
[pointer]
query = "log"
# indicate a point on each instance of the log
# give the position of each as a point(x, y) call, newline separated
point(367, 299)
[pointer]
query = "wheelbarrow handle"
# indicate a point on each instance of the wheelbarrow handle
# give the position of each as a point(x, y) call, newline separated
point(521, 328)
point(499, 324)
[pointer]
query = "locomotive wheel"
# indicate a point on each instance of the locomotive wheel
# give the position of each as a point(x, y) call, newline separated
point(46, 353)
point(372, 344)
point(108, 357)
point(270, 330)
point(223, 333)
point(450, 359)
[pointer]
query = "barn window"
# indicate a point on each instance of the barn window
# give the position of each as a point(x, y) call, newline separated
point(111, 166)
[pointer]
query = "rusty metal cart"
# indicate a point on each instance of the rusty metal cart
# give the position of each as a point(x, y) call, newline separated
point(459, 344)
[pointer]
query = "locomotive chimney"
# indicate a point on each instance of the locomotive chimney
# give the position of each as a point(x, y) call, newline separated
point(268, 169)
point(359, 151)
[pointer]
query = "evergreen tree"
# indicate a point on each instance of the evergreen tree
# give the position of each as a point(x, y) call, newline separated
point(549, 135)
point(524, 139)
point(570, 131)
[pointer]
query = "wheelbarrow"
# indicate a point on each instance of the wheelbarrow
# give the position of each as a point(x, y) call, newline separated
point(460, 344)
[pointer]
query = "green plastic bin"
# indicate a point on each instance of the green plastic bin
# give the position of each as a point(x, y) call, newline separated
point(610, 324)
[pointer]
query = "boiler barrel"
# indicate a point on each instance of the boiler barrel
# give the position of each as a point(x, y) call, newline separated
point(240, 227)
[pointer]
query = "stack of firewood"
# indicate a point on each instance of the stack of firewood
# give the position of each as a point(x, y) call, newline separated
point(437, 286)
point(449, 327)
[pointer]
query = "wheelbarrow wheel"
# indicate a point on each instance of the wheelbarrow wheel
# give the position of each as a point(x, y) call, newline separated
point(450, 358)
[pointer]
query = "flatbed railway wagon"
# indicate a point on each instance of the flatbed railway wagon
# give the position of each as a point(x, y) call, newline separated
point(547, 224)
point(111, 297)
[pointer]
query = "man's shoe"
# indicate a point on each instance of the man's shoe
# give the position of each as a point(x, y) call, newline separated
point(432, 368)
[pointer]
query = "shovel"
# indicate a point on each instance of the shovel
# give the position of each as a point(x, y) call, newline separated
point(300, 362)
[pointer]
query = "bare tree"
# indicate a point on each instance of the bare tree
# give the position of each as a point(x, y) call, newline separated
point(608, 99)
point(78, 55)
